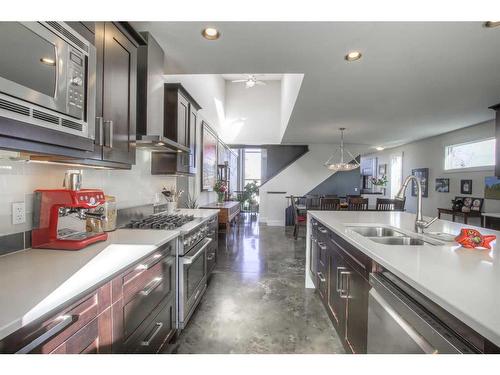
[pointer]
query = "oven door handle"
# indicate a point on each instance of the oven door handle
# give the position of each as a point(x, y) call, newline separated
point(189, 260)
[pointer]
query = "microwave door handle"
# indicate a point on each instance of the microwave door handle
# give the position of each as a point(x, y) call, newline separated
point(57, 72)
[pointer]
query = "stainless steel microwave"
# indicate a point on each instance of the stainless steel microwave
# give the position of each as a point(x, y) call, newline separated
point(47, 76)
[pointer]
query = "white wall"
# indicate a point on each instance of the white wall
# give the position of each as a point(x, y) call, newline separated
point(429, 153)
point(298, 179)
point(18, 180)
point(290, 87)
point(253, 116)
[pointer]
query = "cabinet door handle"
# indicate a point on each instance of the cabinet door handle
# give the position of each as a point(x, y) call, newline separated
point(151, 286)
point(108, 129)
point(344, 292)
point(322, 230)
point(321, 277)
point(210, 256)
point(338, 280)
point(66, 321)
point(322, 245)
point(152, 335)
point(99, 131)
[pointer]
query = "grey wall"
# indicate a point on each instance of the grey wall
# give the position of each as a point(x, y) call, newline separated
point(340, 183)
point(277, 157)
point(430, 153)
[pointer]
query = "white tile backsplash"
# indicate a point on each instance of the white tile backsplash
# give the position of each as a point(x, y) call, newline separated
point(18, 180)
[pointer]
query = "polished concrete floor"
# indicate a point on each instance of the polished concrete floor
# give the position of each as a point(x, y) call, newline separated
point(256, 301)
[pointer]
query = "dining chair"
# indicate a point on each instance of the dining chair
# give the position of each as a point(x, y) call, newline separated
point(357, 204)
point(313, 202)
point(298, 220)
point(330, 204)
point(386, 204)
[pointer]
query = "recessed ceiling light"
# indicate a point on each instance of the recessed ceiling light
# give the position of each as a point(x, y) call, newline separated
point(491, 24)
point(380, 148)
point(48, 61)
point(211, 33)
point(353, 56)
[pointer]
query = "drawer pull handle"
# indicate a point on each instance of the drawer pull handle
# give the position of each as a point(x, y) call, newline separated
point(321, 277)
point(152, 262)
point(66, 321)
point(322, 230)
point(151, 286)
point(154, 332)
point(322, 245)
point(210, 256)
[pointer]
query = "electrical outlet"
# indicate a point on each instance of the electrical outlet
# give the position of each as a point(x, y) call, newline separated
point(355, 189)
point(18, 213)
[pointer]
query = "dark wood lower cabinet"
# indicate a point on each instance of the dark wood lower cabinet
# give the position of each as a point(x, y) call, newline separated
point(133, 313)
point(343, 290)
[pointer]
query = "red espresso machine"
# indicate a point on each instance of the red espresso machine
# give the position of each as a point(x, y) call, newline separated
point(51, 206)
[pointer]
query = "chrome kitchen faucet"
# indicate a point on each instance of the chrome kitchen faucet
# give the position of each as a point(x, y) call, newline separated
point(420, 223)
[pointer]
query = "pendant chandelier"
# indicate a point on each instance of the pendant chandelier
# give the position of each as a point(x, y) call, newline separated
point(337, 162)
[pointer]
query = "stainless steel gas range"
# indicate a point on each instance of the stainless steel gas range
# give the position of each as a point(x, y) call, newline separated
point(196, 255)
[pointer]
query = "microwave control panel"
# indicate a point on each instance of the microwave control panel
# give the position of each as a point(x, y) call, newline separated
point(76, 83)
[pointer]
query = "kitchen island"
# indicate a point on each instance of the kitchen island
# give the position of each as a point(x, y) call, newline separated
point(463, 282)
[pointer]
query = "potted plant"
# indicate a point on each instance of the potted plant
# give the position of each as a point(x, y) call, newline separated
point(247, 198)
point(220, 188)
point(378, 183)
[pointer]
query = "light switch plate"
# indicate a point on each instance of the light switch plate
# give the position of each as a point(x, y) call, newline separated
point(18, 213)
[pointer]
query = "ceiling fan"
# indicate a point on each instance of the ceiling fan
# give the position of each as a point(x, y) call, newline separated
point(250, 81)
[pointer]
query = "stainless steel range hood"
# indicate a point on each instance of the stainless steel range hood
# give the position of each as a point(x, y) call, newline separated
point(159, 143)
point(150, 99)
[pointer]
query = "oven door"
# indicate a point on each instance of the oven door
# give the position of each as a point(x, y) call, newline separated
point(194, 277)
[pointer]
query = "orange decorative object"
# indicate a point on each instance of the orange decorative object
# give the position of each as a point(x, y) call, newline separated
point(472, 239)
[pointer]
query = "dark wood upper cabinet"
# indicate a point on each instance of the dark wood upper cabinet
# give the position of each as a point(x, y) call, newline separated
point(496, 108)
point(116, 94)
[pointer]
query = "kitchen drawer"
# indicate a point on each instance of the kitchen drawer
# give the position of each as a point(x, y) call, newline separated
point(94, 338)
point(155, 332)
point(136, 277)
point(138, 303)
point(47, 336)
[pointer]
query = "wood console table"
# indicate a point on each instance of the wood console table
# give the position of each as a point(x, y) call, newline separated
point(228, 212)
point(453, 213)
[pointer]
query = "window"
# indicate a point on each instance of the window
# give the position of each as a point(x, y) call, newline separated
point(252, 166)
point(470, 155)
point(396, 173)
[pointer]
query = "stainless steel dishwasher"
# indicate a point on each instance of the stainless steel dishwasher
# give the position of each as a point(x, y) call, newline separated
point(398, 323)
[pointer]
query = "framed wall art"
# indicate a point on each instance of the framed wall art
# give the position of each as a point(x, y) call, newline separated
point(208, 157)
point(443, 185)
point(423, 175)
point(465, 186)
point(491, 188)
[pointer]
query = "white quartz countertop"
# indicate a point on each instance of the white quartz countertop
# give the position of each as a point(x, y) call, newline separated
point(464, 282)
point(35, 282)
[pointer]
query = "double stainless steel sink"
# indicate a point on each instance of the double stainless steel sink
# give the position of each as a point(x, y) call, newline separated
point(390, 236)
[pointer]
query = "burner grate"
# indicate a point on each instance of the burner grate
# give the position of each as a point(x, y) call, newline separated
point(160, 221)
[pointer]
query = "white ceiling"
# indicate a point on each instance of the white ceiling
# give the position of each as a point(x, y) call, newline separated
point(260, 77)
point(416, 79)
